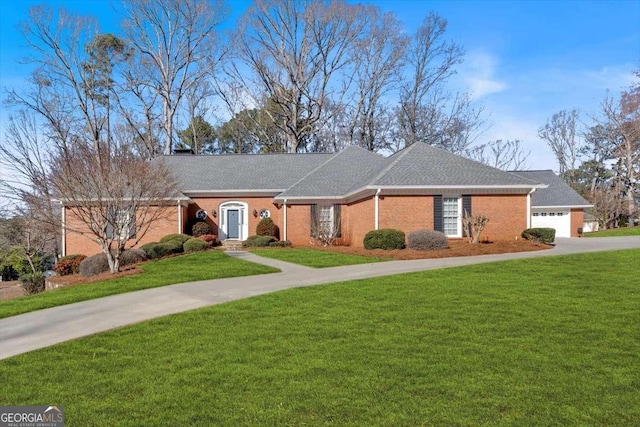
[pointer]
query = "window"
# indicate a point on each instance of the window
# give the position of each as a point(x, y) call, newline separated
point(552, 214)
point(451, 216)
point(543, 214)
point(264, 213)
point(536, 214)
point(325, 222)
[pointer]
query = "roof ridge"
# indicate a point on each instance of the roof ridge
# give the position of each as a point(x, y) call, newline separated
point(386, 169)
point(333, 156)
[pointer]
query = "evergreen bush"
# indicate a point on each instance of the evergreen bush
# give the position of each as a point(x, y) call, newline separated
point(200, 228)
point(385, 238)
point(266, 227)
point(543, 235)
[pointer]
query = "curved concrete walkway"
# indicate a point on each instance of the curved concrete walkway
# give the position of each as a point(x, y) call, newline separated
point(38, 329)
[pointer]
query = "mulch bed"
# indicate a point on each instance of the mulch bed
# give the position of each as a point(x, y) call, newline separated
point(456, 248)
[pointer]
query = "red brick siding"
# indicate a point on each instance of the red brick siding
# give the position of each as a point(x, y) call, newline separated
point(357, 220)
point(577, 220)
point(507, 215)
point(298, 224)
point(83, 241)
point(406, 213)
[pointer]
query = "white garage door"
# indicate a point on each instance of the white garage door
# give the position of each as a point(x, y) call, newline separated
point(552, 218)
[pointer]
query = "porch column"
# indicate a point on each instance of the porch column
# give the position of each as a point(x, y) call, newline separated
point(179, 218)
point(63, 242)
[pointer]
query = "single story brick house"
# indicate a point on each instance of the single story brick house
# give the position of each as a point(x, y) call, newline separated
point(351, 193)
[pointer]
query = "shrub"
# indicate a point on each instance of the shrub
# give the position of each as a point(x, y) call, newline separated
point(195, 245)
point(175, 238)
point(257, 241)
point(200, 228)
point(544, 235)
point(427, 240)
point(133, 256)
point(211, 239)
point(32, 283)
point(93, 265)
point(266, 227)
point(173, 246)
point(385, 238)
point(157, 250)
point(280, 244)
point(69, 264)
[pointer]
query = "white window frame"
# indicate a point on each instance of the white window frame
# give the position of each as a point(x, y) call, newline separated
point(326, 221)
point(458, 216)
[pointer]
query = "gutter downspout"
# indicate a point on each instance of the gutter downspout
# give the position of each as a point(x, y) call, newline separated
point(63, 242)
point(529, 207)
point(284, 228)
point(179, 217)
point(377, 208)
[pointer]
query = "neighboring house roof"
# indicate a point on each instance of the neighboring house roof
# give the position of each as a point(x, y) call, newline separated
point(241, 172)
point(557, 194)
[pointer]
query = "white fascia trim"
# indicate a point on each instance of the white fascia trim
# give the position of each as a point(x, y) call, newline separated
point(232, 193)
point(563, 207)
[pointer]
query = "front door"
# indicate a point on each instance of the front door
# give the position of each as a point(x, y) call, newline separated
point(233, 224)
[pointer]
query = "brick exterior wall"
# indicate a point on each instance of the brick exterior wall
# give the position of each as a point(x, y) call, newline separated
point(406, 213)
point(82, 241)
point(507, 218)
point(577, 220)
point(507, 215)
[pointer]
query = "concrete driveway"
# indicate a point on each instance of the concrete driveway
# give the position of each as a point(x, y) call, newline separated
point(38, 329)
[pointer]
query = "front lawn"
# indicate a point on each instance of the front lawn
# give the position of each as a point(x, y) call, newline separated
point(545, 341)
point(615, 232)
point(316, 258)
point(185, 268)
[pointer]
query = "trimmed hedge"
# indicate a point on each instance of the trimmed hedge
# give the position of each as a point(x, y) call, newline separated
point(200, 228)
point(281, 244)
point(266, 227)
point(133, 256)
point(175, 238)
point(195, 244)
point(385, 238)
point(156, 250)
point(94, 265)
point(427, 240)
point(258, 241)
point(543, 235)
point(68, 265)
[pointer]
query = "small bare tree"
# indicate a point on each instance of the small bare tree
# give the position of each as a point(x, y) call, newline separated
point(473, 226)
point(112, 196)
point(325, 224)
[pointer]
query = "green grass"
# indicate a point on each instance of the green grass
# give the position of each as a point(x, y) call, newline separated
point(546, 341)
point(168, 271)
point(615, 232)
point(315, 258)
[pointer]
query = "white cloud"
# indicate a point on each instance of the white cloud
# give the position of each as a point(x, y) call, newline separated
point(478, 73)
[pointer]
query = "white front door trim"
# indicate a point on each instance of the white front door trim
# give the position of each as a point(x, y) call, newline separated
point(243, 219)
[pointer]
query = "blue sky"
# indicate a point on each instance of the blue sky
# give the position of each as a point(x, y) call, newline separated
point(525, 60)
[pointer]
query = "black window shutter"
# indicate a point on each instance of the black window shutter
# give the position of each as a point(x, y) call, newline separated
point(466, 210)
point(337, 223)
point(313, 220)
point(466, 205)
point(438, 214)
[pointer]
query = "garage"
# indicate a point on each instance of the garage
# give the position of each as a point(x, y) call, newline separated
point(560, 219)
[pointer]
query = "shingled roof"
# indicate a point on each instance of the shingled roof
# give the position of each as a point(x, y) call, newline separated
point(242, 172)
point(557, 194)
point(339, 175)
